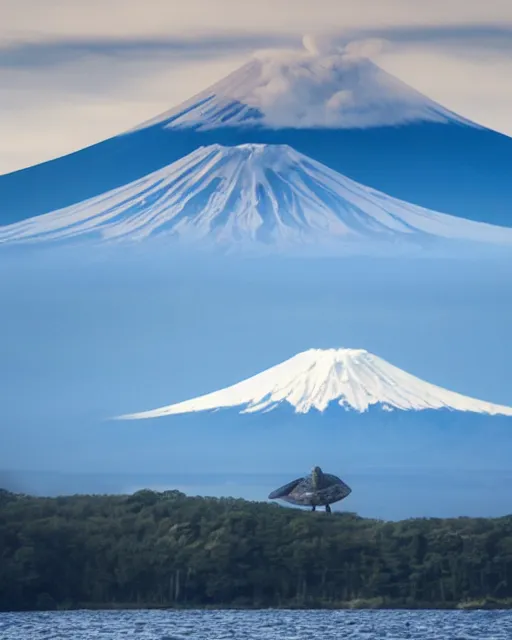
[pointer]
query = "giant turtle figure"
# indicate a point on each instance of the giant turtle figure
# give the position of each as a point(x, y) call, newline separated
point(317, 489)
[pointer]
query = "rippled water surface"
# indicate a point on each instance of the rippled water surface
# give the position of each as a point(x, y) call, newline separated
point(258, 625)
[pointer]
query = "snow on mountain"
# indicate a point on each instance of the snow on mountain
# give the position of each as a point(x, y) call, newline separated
point(333, 105)
point(249, 194)
point(335, 88)
point(353, 378)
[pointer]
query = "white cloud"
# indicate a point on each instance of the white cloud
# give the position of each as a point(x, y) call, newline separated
point(336, 88)
point(50, 107)
point(324, 85)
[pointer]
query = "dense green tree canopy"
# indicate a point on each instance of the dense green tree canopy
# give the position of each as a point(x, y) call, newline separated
point(165, 549)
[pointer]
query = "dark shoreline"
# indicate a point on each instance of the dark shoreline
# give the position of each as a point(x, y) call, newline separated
point(489, 605)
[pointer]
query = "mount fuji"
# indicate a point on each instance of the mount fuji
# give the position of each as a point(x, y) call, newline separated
point(335, 107)
point(353, 380)
point(258, 195)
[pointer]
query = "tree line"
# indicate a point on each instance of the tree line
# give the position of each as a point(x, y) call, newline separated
point(165, 549)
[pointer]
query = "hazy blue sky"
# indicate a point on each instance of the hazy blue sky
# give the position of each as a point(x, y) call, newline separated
point(159, 334)
point(83, 344)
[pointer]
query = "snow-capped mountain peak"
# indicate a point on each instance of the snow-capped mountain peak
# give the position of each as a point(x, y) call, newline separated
point(313, 87)
point(250, 194)
point(318, 378)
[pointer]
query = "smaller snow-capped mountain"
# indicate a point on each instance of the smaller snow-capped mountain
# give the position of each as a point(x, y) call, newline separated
point(333, 87)
point(316, 379)
point(251, 194)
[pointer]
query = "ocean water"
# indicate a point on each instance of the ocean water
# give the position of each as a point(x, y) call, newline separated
point(257, 625)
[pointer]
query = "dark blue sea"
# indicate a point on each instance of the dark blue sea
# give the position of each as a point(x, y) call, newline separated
point(258, 625)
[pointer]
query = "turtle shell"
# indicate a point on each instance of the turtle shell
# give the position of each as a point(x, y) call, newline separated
point(301, 492)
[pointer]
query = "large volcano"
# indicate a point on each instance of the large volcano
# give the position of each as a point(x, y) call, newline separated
point(339, 109)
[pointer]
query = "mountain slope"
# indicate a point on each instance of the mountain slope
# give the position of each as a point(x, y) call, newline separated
point(341, 111)
point(230, 196)
point(305, 90)
point(316, 379)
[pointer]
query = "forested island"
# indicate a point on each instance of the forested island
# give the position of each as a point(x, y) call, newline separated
point(165, 549)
